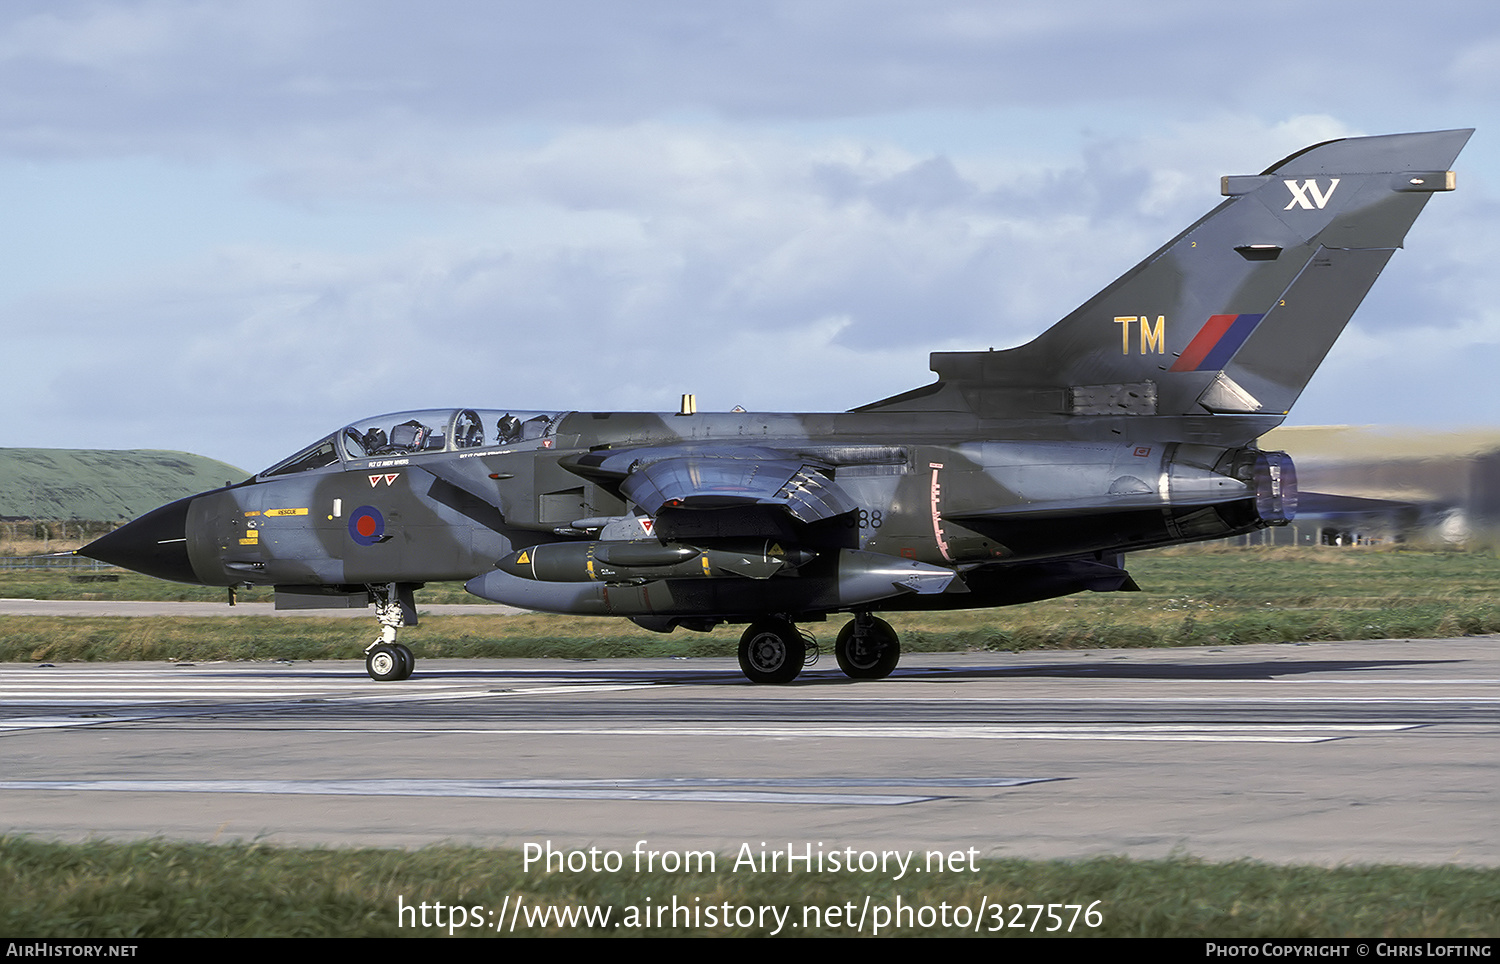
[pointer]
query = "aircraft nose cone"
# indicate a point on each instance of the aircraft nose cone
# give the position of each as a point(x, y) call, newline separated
point(155, 544)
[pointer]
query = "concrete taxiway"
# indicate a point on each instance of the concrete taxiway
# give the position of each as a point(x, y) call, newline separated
point(1330, 753)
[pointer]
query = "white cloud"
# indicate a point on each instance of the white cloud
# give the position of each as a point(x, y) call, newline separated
point(295, 214)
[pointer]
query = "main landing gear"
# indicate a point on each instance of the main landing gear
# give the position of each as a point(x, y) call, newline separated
point(395, 606)
point(774, 650)
point(867, 648)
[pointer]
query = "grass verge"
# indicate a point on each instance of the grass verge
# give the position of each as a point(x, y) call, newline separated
point(156, 888)
point(1191, 598)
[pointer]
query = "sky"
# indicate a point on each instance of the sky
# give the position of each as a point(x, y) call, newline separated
point(231, 227)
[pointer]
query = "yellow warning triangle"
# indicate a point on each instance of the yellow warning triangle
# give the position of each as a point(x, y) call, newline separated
point(523, 559)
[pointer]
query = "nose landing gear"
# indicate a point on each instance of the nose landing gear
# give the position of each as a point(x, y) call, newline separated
point(389, 661)
point(395, 606)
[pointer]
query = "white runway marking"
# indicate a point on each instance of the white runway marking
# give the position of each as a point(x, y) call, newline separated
point(1215, 700)
point(1141, 732)
point(130, 695)
point(676, 789)
point(1132, 732)
point(151, 693)
point(217, 685)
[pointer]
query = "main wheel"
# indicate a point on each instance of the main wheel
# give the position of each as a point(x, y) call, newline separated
point(772, 651)
point(868, 652)
point(385, 663)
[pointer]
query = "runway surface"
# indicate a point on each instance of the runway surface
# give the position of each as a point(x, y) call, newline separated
point(1330, 753)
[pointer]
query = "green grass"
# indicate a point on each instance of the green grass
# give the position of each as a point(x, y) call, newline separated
point(156, 888)
point(55, 584)
point(1191, 598)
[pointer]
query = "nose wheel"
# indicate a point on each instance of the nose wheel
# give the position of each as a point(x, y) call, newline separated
point(389, 662)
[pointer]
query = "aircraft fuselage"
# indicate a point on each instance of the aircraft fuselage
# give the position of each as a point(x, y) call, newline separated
point(930, 489)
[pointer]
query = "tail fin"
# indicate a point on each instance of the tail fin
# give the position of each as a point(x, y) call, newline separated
point(1233, 315)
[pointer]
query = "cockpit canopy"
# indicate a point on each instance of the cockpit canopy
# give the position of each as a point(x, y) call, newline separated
point(419, 433)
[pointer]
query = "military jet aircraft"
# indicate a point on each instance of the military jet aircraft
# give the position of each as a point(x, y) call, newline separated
point(1016, 475)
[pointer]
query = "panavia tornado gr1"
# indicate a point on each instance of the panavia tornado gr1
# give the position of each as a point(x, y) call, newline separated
point(1016, 475)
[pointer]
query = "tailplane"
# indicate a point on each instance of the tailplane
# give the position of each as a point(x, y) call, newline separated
point(1233, 315)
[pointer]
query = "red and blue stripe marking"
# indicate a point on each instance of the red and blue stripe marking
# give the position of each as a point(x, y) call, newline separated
point(1216, 342)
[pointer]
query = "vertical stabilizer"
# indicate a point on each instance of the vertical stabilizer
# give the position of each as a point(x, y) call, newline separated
point(1233, 315)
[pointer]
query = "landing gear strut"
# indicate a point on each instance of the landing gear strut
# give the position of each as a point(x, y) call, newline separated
point(867, 648)
point(772, 651)
point(395, 606)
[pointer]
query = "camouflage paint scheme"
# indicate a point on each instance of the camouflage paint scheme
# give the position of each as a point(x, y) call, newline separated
point(1017, 475)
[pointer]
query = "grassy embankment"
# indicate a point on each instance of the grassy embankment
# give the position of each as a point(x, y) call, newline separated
point(1200, 597)
point(157, 889)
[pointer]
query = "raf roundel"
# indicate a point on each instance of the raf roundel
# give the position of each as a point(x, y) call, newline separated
point(366, 525)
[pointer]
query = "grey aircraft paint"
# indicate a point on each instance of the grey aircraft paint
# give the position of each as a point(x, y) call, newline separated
point(1017, 475)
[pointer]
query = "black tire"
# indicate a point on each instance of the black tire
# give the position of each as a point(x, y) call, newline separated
point(384, 663)
point(872, 654)
point(408, 660)
point(772, 651)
